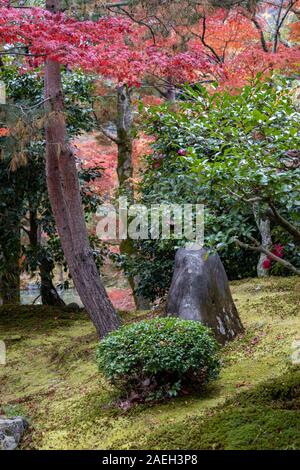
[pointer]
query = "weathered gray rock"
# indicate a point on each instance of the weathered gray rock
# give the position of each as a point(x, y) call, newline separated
point(200, 291)
point(11, 431)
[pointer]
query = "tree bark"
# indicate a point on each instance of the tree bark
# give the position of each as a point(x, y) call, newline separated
point(65, 199)
point(264, 226)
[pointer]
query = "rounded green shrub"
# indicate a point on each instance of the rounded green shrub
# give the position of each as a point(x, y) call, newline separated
point(159, 357)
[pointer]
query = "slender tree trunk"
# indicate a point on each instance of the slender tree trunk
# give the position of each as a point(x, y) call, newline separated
point(10, 276)
point(49, 294)
point(264, 226)
point(65, 199)
point(125, 144)
point(10, 283)
point(171, 93)
point(125, 174)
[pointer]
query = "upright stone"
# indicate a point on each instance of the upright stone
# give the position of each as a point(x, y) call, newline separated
point(200, 291)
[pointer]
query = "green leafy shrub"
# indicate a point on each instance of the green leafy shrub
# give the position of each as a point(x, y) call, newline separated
point(225, 151)
point(159, 358)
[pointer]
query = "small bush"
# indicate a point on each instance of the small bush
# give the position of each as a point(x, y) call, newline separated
point(159, 358)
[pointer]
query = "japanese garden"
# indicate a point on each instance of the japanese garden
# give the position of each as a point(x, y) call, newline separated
point(150, 225)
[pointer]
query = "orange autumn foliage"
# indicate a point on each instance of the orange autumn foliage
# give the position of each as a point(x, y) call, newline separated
point(4, 132)
point(93, 154)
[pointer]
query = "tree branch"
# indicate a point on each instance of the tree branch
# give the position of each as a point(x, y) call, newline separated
point(108, 134)
point(260, 249)
point(280, 20)
point(262, 35)
point(276, 217)
point(116, 5)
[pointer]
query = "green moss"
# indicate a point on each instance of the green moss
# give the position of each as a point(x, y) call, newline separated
point(252, 428)
point(267, 417)
point(51, 377)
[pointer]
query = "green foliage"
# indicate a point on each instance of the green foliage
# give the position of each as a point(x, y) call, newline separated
point(235, 151)
point(24, 190)
point(159, 357)
point(224, 151)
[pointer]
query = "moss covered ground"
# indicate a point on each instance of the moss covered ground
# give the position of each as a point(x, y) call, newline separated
point(51, 377)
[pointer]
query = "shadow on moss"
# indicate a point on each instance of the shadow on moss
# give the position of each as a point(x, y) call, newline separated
point(266, 417)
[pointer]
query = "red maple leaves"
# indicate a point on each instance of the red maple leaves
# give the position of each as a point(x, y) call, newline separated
point(110, 47)
point(223, 45)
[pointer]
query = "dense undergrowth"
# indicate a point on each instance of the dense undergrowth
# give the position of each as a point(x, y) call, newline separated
point(51, 377)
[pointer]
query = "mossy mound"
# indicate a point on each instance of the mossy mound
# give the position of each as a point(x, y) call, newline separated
point(267, 417)
point(10, 312)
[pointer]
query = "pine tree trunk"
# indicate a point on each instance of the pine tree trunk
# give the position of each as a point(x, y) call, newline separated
point(65, 199)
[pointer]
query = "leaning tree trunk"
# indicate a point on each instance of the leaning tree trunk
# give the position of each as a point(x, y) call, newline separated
point(49, 294)
point(200, 291)
point(264, 226)
point(65, 199)
point(125, 174)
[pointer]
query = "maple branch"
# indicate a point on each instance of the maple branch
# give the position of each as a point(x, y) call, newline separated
point(243, 198)
point(280, 20)
point(105, 132)
point(108, 134)
point(262, 34)
point(205, 44)
point(260, 249)
point(160, 91)
point(139, 22)
point(26, 54)
point(116, 5)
